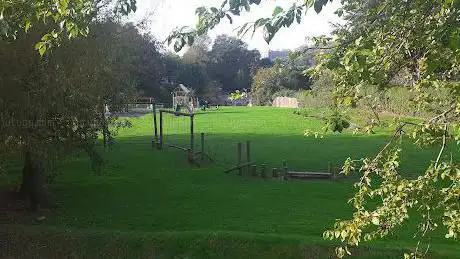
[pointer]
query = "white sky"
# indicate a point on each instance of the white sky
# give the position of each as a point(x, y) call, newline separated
point(165, 15)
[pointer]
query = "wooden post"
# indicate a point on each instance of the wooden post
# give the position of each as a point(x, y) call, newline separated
point(160, 143)
point(254, 170)
point(155, 126)
point(335, 173)
point(248, 155)
point(239, 157)
point(285, 170)
point(202, 146)
point(263, 171)
point(192, 141)
point(192, 136)
point(275, 172)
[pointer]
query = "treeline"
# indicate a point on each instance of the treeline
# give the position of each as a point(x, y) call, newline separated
point(215, 70)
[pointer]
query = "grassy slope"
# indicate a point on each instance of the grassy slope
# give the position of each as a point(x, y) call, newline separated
point(148, 199)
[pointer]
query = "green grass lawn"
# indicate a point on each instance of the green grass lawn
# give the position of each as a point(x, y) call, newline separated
point(151, 203)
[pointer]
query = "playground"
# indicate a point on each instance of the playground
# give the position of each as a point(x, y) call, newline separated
point(153, 203)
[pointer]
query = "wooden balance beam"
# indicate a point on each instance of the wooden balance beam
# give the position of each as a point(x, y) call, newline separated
point(310, 175)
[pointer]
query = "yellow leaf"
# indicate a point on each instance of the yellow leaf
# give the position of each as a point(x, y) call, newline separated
point(375, 221)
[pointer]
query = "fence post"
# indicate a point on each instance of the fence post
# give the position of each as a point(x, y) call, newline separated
point(155, 126)
point(192, 136)
point(160, 143)
point(254, 170)
point(263, 172)
point(275, 172)
point(202, 146)
point(248, 154)
point(239, 150)
point(192, 140)
point(285, 170)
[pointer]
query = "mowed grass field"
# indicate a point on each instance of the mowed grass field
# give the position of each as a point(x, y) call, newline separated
point(152, 204)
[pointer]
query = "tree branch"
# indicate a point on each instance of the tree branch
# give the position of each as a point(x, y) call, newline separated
point(441, 115)
point(397, 134)
point(441, 151)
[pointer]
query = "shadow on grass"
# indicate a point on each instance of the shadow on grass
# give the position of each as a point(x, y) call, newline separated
point(301, 153)
point(144, 190)
point(56, 243)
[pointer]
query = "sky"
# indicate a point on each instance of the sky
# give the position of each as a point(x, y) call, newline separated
point(166, 15)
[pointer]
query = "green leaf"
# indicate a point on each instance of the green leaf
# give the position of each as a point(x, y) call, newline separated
point(42, 50)
point(318, 6)
point(229, 18)
point(200, 10)
point(339, 12)
point(235, 7)
point(41, 47)
point(223, 4)
point(64, 4)
point(277, 11)
point(376, 221)
point(73, 33)
point(246, 5)
point(38, 45)
point(268, 32)
point(178, 46)
point(133, 6)
point(298, 18)
point(27, 25)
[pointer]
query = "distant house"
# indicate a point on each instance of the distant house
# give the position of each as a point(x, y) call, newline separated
point(278, 54)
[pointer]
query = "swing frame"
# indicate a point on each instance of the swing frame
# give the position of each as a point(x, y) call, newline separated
point(192, 154)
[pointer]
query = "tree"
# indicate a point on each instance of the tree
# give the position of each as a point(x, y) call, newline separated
point(64, 18)
point(231, 63)
point(198, 53)
point(193, 69)
point(265, 63)
point(379, 39)
point(147, 69)
point(56, 104)
point(282, 79)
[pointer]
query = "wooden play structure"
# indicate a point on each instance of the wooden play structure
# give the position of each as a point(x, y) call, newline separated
point(195, 151)
point(249, 168)
point(183, 97)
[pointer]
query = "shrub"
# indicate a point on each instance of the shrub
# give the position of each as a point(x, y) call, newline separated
point(284, 92)
point(266, 83)
point(321, 94)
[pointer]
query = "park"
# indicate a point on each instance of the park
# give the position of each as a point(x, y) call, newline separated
point(236, 129)
point(153, 203)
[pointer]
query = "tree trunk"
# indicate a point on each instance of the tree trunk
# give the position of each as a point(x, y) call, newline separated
point(32, 181)
point(105, 127)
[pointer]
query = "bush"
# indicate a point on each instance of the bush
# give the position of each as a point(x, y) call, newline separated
point(321, 94)
point(213, 93)
point(284, 92)
point(266, 83)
